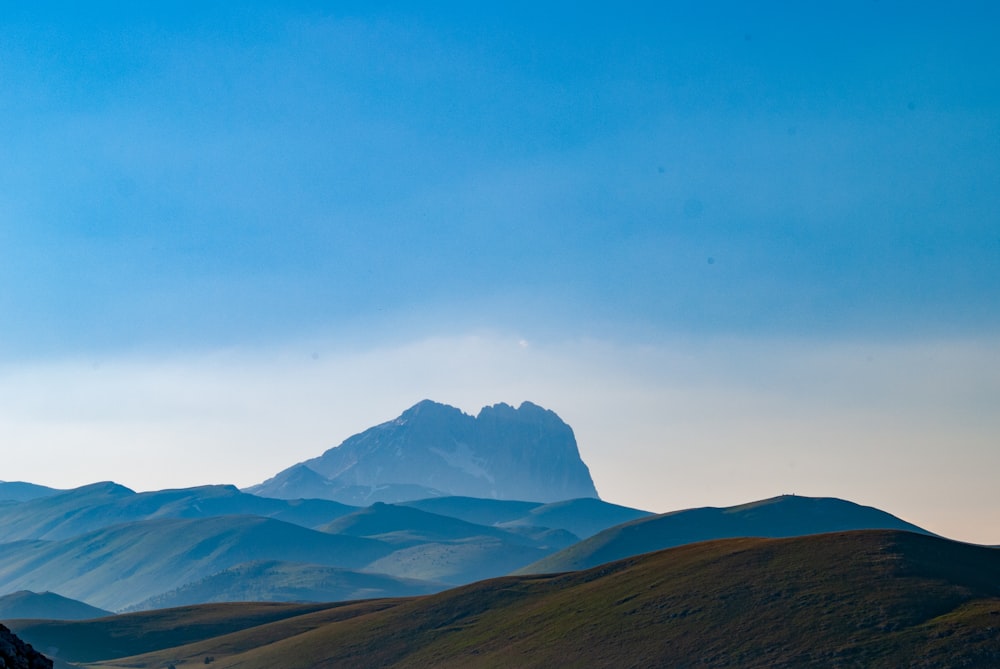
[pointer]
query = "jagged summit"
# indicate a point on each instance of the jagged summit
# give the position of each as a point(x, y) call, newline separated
point(434, 449)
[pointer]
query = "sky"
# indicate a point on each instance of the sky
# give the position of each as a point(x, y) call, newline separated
point(742, 250)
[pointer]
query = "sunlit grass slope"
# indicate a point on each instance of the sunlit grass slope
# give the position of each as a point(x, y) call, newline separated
point(871, 598)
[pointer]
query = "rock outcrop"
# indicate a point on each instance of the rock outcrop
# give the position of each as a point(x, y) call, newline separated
point(15, 654)
point(433, 449)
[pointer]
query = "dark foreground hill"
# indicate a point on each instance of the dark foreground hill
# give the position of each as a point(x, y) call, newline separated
point(15, 654)
point(871, 599)
point(784, 516)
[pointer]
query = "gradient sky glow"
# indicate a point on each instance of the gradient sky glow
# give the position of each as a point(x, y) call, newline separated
point(743, 250)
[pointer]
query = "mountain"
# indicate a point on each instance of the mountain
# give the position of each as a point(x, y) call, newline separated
point(878, 599)
point(46, 605)
point(581, 517)
point(274, 581)
point(403, 524)
point(784, 516)
point(120, 566)
point(432, 449)
point(432, 547)
point(16, 654)
point(19, 491)
point(73, 512)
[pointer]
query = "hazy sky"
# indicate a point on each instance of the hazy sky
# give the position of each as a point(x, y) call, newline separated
point(742, 249)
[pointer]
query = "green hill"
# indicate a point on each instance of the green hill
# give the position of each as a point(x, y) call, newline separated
point(784, 516)
point(870, 598)
point(135, 633)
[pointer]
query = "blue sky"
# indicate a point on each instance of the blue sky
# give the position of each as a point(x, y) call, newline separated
point(286, 188)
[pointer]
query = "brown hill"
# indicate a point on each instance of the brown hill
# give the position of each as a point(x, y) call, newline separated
point(872, 598)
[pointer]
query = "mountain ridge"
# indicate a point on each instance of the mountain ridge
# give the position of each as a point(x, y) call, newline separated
point(775, 517)
point(433, 449)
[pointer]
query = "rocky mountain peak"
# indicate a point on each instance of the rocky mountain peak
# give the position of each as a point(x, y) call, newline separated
point(432, 449)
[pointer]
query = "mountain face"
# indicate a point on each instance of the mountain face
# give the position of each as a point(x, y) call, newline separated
point(432, 449)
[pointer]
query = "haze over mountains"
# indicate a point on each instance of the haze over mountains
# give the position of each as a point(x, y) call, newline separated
point(107, 546)
point(435, 450)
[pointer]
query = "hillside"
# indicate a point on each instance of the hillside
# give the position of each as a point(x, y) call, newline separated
point(274, 581)
point(120, 566)
point(432, 449)
point(582, 517)
point(69, 513)
point(19, 491)
point(135, 633)
point(784, 516)
point(869, 598)
point(46, 605)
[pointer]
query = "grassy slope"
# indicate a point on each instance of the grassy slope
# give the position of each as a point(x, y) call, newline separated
point(785, 516)
point(873, 598)
point(134, 633)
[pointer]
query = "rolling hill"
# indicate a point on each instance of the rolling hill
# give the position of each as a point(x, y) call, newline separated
point(881, 598)
point(274, 581)
point(403, 524)
point(70, 513)
point(784, 516)
point(19, 491)
point(120, 566)
point(47, 605)
point(582, 517)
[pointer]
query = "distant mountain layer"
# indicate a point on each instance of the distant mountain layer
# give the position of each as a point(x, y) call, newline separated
point(433, 449)
point(878, 599)
point(73, 512)
point(122, 550)
point(19, 491)
point(46, 605)
point(784, 516)
point(121, 565)
point(274, 581)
